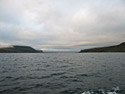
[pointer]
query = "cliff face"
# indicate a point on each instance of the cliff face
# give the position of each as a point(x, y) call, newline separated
point(19, 49)
point(116, 48)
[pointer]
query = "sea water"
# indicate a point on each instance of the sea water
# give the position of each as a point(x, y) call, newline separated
point(60, 73)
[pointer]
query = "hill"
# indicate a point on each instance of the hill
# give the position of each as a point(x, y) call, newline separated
point(19, 49)
point(116, 48)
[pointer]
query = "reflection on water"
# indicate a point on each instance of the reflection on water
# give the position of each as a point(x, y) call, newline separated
point(60, 73)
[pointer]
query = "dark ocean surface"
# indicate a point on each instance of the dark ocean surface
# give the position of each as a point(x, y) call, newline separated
point(60, 73)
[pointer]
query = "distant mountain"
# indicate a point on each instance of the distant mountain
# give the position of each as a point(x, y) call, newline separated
point(19, 49)
point(116, 48)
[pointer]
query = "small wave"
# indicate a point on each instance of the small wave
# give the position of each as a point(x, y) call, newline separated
point(38, 85)
point(88, 75)
point(56, 74)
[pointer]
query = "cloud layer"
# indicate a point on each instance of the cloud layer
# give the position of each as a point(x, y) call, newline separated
point(62, 24)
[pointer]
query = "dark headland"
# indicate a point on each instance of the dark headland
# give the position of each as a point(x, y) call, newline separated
point(19, 49)
point(115, 48)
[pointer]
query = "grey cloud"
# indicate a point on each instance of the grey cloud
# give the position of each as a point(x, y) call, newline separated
point(61, 23)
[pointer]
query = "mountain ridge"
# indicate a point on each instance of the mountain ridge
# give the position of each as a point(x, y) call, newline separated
point(19, 49)
point(115, 48)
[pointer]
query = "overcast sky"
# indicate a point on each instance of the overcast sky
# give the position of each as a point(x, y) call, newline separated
point(65, 25)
